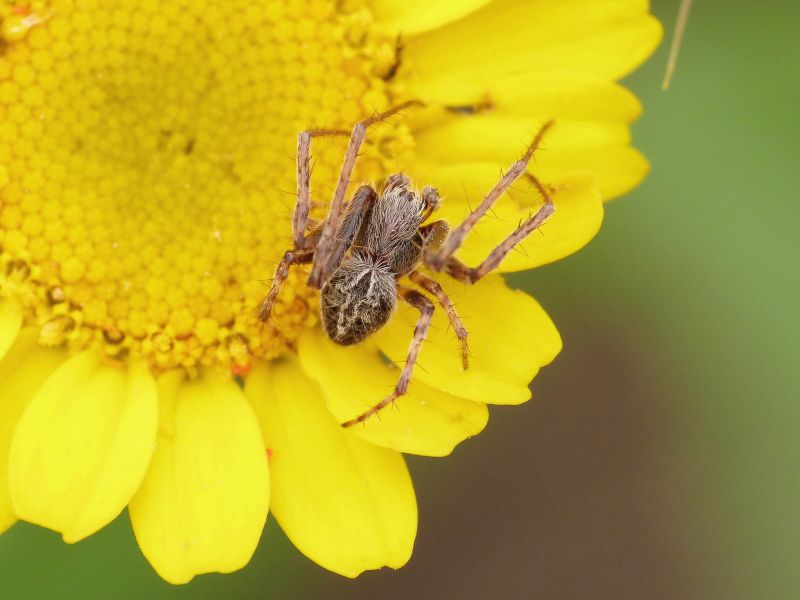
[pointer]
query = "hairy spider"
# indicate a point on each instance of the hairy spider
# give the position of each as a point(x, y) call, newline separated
point(364, 247)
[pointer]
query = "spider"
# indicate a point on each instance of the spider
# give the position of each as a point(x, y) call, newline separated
point(363, 248)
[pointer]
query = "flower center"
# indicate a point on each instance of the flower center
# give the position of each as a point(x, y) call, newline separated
point(147, 166)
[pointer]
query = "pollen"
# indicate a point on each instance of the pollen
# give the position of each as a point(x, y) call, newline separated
point(147, 165)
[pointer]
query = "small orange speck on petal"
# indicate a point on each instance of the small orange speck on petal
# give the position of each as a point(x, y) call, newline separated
point(240, 370)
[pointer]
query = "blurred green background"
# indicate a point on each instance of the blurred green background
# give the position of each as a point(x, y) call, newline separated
point(660, 457)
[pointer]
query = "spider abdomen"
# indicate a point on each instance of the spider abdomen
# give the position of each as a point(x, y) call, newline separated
point(358, 299)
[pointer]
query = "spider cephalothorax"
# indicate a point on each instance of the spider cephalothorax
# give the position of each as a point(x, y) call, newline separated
point(366, 246)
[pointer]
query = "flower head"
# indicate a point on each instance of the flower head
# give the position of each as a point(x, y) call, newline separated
point(147, 166)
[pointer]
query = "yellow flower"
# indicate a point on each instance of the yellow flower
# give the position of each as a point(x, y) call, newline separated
point(146, 176)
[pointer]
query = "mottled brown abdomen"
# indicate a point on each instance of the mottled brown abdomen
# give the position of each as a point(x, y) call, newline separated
point(358, 300)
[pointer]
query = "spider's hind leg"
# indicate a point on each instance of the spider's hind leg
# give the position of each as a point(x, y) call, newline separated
point(425, 307)
point(431, 286)
point(292, 257)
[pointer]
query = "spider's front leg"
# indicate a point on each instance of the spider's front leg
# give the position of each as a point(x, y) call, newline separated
point(303, 252)
point(357, 210)
point(458, 270)
point(333, 222)
point(303, 205)
point(425, 307)
point(443, 259)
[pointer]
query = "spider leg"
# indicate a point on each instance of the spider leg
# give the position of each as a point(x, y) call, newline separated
point(425, 307)
point(456, 237)
point(292, 257)
point(430, 196)
point(431, 286)
point(458, 270)
point(357, 210)
point(335, 214)
point(300, 216)
point(434, 234)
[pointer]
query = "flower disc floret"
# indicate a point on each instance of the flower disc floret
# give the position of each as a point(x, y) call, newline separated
point(147, 153)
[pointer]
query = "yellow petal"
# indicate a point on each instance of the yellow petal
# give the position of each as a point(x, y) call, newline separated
point(618, 169)
point(599, 147)
point(23, 369)
point(457, 62)
point(562, 95)
point(203, 504)
point(354, 378)
point(10, 323)
point(491, 136)
point(510, 337)
point(346, 504)
point(414, 16)
point(578, 215)
point(82, 445)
